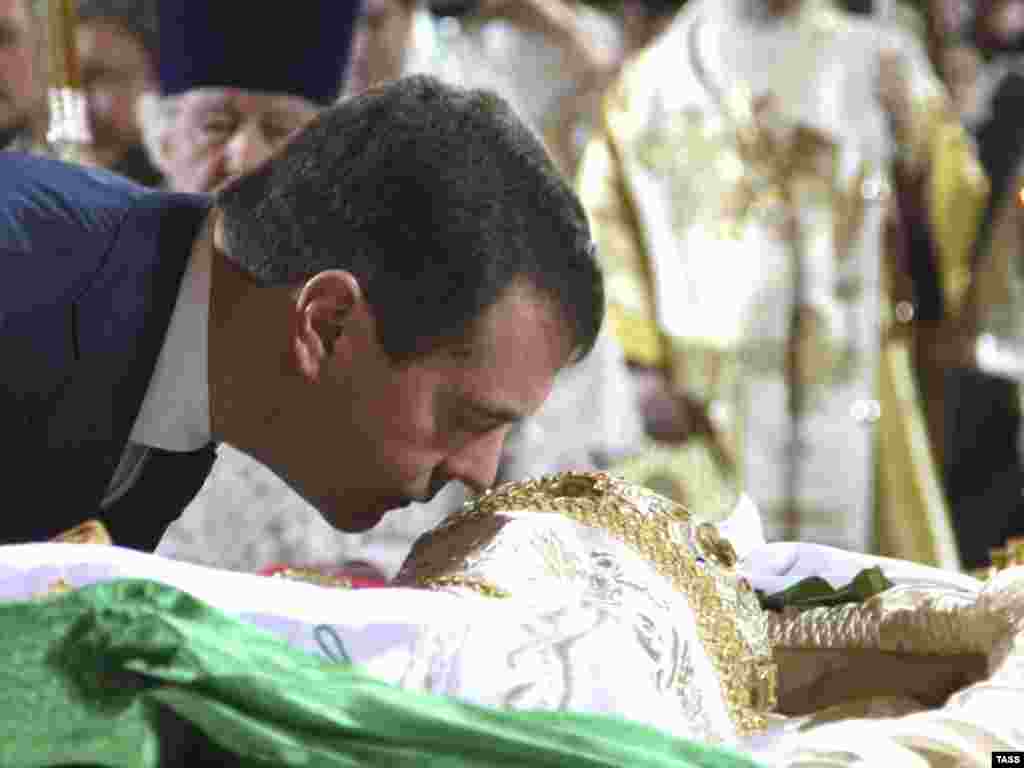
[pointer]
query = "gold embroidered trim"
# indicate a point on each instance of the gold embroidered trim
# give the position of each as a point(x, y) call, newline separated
point(89, 532)
point(480, 586)
point(659, 530)
point(56, 588)
point(313, 576)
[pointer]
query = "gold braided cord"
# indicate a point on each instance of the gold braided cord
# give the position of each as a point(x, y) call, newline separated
point(313, 576)
point(480, 586)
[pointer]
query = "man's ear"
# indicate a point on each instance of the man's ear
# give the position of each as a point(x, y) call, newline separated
point(323, 308)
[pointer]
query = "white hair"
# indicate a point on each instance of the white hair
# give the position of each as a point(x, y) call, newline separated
point(156, 114)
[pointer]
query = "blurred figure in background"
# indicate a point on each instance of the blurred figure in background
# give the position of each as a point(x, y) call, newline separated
point(739, 197)
point(984, 471)
point(550, 58)
point(905, 13)
point(231, 94)
point(22, 75)
point(997, 32)
point(117, 52)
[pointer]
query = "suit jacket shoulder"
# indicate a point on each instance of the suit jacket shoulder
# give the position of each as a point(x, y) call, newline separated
point(90, 267)
point(57, 222)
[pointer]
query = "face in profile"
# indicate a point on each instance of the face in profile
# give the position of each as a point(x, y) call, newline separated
point(21, 87)
point(410, 428)
point(216, 134)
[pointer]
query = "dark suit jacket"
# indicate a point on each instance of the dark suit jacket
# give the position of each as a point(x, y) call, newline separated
point(90, 266)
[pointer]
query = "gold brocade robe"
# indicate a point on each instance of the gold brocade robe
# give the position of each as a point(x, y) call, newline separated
point(738, 195)
point(593, 539)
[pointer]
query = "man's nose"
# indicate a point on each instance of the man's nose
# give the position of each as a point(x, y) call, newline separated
point(247, 148)
point(476, 465)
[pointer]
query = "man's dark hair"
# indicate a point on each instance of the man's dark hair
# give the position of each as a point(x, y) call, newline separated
point(437, 199)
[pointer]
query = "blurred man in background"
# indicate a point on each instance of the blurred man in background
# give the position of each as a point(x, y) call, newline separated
point(750, 161)
point(117, 44)
point(231, 94)
point(550, 58)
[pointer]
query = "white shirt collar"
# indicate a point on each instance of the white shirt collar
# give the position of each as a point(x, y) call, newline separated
point(175, 414)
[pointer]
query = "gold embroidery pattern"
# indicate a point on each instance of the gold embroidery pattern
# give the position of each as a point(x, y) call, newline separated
point(694, 559)
point(480, 586)
point(723, 177)
point(313, 576)
point(89, 532)
point(904, 619)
